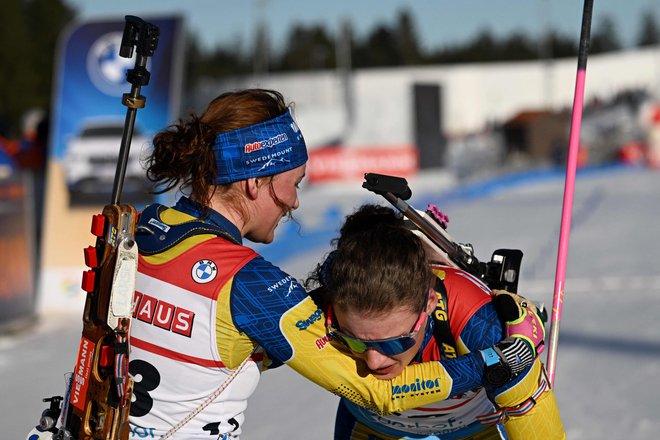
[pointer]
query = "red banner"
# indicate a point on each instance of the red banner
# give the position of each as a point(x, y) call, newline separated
point(340, 163)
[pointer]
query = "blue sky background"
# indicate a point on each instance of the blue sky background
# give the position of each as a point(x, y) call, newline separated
point(439, 22)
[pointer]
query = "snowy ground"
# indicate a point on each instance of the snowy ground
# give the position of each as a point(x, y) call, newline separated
point(608, 369)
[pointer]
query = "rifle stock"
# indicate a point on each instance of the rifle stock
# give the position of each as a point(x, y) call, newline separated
point(100, 395)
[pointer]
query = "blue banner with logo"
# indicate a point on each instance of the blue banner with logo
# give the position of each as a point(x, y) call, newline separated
point(87, 123)
point(88, 116)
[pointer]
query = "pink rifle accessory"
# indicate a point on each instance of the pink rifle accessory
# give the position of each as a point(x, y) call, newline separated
point(521, 318)
point(528, 327)
point(438, 216)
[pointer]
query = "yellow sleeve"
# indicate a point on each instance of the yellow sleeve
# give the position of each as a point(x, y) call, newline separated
point(542, 421)
point(329, 366)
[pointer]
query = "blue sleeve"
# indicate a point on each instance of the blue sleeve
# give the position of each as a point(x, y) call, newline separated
point(483, 329)
point(261, 294)
point(466, 372)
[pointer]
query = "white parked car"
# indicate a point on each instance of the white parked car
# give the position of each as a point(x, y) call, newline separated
point(91, 157)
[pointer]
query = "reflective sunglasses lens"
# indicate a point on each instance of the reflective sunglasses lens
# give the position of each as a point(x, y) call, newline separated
point(355, 345)
point(389, 347)
point(395, 346)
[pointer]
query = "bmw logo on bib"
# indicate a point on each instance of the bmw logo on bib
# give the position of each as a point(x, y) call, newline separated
point(204, 271)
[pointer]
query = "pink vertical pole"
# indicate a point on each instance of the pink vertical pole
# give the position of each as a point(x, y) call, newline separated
point(569, 189)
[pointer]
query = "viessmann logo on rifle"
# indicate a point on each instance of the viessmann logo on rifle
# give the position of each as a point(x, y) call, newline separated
point(268, 143)
point(82, 372)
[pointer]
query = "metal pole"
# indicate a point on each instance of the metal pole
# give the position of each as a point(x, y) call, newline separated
point(141, 37)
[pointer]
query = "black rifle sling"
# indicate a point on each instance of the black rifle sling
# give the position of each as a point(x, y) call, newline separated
point(441, 329)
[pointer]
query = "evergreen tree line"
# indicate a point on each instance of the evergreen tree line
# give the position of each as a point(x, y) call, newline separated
point(29, 31)
point(313, 47)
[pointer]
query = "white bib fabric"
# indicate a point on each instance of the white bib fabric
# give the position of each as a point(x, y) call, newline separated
point(189, 366)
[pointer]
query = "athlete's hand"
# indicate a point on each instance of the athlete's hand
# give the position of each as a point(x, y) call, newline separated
point(522, 319)
point(506, 360)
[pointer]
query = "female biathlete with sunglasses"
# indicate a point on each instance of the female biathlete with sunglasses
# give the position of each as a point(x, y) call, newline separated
point(378, 285)
point(205, 302)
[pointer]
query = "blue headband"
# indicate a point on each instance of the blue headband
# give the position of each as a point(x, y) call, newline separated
point(265, 149)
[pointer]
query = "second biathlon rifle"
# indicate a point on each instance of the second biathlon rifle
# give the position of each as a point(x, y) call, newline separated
point(501, 272)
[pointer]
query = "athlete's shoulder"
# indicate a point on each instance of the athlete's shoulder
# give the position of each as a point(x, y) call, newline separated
point(263, 275)
point(454, 278)
point(168, 233)
point(465, 295)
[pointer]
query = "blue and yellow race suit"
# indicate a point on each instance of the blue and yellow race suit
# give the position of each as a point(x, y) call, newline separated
point(464, 321)
point(204, 303)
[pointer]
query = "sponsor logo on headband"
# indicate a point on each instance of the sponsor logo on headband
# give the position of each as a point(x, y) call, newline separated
point(265, 149)
point(270, 158)
point(272, 163)
point(268, 143)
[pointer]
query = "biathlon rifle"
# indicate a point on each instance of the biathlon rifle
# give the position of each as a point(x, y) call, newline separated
point(98, 396)
point(501, 272)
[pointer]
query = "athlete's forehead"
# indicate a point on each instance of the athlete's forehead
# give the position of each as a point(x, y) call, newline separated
point(381, 324)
